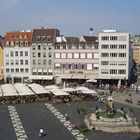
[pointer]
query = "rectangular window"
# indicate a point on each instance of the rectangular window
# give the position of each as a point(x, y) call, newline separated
point(113, 63)
point(34, 54)
point(50, 62)
point(105, 38)
point(57, 47)
point(39, 54)
point(104, 54)
point(104, 71)
point(122, 71)
point(7, 62)
point(22, 70)
point(76, 55)
point(21, 43)
point(113, 46)
point(69, 46)
point(17, 62)
point(122, 38)
point(39, 62)
point(104, 46)
point(12, 70)
point(122, 63)
point(44, 54)
point(26, 62)
point(26, 53)
point(33, 47)
point(26, 43)
point(113, 71)
point(104, 62)
point(11, 53)
point(113, 54)
point(57, 55)
point(50, 54)
point(82, 55)
point(122, 54)
point(63, 55)
point(7, 54)
point(122, 46)
point(89, 66)
point(89, 55)
point(21, 53)
point(39, 47)
point(44, 47)
point(44, 62)
point(69, 55)
point(49, 38)
point(21, 62)
point(12, 62)
point(96, 55)
point(16, 53)
point(57, 65)
point(64, 46)
point(26, 70)
point(17, 70)
point(113, 38)
point(7, 70)
point(34, 62)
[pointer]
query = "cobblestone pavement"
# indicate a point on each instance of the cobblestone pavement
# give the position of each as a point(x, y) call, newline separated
point(120, 98)
point(23, 121)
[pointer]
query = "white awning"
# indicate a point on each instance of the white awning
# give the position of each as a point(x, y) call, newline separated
point(41, 77)
point(23, 89)
point(91, 81)
point(78, 76)
point(9, 90)
point(69, 89)
point(59, 92)
point(50, 87)
point(38, 89)
point(89, 91)
point(50, 70)
point(39, 70)
point(66, 76)
point(44, 70)
point(34, 70)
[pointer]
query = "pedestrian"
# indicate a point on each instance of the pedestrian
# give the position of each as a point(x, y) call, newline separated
point(41, 132)
point(66, 117)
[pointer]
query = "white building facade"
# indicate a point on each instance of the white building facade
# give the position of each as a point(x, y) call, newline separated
point(17, 56)
point(76, 58)
point(115, 56)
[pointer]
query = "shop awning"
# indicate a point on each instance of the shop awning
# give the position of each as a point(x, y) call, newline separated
point(41, 77)
point(78, 76)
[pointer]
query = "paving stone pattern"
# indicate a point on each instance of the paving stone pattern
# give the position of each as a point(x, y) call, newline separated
point(66, 123)
point(19, 130)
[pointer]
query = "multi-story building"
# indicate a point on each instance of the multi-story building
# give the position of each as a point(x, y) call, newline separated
point(76, 58)
point(136, 54)
point(1, 62)
point(115, 56)
point(17, 56)
point(42, 54)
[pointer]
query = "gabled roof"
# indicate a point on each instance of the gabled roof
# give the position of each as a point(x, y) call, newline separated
point(90, 38)
point(72, 39)
point(53, 33)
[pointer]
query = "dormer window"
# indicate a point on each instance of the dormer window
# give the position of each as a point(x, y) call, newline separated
point(38, 38)
point(49, 38)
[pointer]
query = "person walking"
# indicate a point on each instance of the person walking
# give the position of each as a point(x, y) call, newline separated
point(41, 132)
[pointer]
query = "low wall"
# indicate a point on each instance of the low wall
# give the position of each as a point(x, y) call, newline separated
point(115, 125)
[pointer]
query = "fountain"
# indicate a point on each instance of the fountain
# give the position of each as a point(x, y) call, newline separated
point(111, 120)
